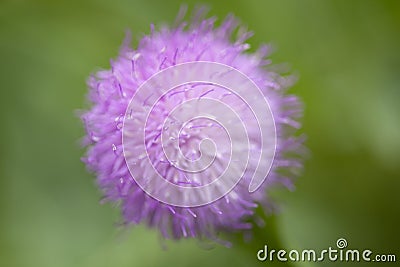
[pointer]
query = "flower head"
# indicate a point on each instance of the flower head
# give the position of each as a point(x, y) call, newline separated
point(194, 132)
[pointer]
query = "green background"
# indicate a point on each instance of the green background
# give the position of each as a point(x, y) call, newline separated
point(347, 56)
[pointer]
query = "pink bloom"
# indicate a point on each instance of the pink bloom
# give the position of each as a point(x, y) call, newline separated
point(111, 90)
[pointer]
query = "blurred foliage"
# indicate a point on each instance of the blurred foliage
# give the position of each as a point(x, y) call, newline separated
point(346, 54)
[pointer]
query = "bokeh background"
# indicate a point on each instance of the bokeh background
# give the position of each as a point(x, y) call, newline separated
point(347, 56)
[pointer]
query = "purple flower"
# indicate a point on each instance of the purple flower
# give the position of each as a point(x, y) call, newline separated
point(111, 91)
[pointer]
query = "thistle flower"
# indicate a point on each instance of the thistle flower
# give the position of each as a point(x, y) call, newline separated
point(111, 93)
